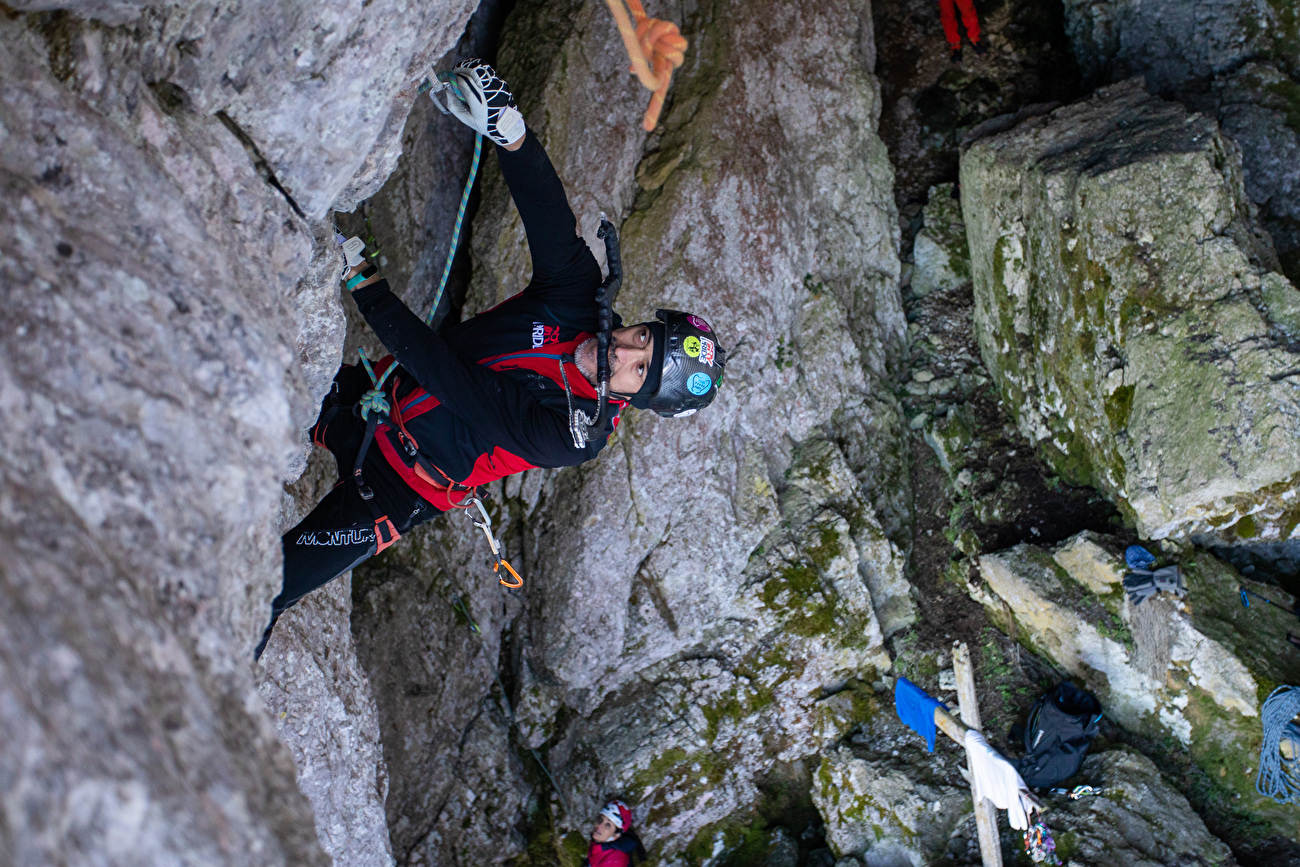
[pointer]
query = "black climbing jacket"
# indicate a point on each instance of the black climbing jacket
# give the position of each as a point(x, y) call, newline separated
point(1062, 725)
point(488, 398)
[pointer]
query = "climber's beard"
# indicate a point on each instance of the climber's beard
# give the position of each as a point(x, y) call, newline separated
point(585, 357)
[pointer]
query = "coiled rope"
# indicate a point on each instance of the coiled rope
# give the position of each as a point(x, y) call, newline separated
point(1277, 773)
point(455, 232)
point(655, 48)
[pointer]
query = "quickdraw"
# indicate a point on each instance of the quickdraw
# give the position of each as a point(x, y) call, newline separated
point(1077, 792)
point(498, 561)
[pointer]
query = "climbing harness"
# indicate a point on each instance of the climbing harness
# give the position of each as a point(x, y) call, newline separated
point(493, 543)
point(374, 409)
point(655, 49)
point(462, 608)
point(1039, 845)
point(446, 81)
point(1279, 774)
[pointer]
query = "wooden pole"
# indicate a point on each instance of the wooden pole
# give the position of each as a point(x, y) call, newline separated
point(986, 815)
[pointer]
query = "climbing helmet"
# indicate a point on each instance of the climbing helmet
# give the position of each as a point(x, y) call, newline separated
point(691, 370)
point(618, 813)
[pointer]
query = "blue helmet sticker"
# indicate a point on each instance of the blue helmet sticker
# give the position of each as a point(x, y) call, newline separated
point(699, 383)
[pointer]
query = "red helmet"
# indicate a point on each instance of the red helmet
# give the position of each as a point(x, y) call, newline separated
point(618, 813)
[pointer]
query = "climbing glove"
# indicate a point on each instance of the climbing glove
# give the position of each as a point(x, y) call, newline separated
point(483, 102)
point(1141, 584)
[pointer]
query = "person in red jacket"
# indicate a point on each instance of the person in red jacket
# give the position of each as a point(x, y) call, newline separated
point(613, 842)
point(948, 15)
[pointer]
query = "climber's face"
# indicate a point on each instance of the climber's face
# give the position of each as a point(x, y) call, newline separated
point(631, 350)
point(604, 831)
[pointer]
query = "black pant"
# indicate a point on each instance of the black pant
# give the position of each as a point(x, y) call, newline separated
point(344, 529)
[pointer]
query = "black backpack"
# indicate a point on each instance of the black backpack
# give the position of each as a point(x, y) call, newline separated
point(1062, 725)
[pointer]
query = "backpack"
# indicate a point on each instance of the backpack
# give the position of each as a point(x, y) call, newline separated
point(1062, 725)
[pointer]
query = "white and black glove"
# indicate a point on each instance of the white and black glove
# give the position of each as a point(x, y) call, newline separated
point(485, 104)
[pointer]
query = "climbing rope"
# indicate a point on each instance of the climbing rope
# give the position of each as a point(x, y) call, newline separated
point(1279, 775)
point(655, 48)
point(374, 400)
point(455, 232)
point(460, 605)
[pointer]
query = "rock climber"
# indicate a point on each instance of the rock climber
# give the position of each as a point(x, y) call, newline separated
point(948, 16)
point(613, 842)
point(508, 390)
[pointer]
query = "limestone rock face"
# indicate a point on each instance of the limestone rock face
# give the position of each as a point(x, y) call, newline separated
point(891, 810)
point(1237, 60)
point(322, 96)
point(321, 703)
point(940, 256)
point(1170, 42)
point(1138, 819)
point(688, 738)
point(1194, 669)
point(703, 601)
point(428, 618)
point(325, 713)
point(1256, 107)
point(173, 320)
point(691, 248)
point(1127, 312)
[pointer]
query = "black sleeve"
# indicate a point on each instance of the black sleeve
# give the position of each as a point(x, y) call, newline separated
point(563, 266)
point(496, 406)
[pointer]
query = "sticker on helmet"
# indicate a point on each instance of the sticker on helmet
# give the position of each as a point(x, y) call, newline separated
point(692, 346)
point(699, 323)
point(699, 383)
point(706, 351)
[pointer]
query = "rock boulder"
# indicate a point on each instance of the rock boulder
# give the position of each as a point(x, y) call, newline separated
point(1128, 312)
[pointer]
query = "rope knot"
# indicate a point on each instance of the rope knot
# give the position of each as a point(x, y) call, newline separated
point(655, 47)
point(373, 401)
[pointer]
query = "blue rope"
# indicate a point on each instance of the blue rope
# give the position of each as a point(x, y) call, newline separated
point(1279, 777)
point(455, 233)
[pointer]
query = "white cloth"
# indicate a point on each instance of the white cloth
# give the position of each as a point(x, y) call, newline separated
point(997, 780)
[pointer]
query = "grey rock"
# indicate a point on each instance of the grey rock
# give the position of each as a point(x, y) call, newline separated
point(1169, 41)
point(456, 790)
point(1138, 819)
point(321, 702)
point(150, 395)
point(1237, 60)
point(1105, 239)
point(688, 740)
point(940, 255)
point(891, 810)
point(675, 640)
point(175, 324)
point(1256, 107)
